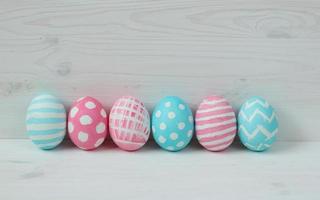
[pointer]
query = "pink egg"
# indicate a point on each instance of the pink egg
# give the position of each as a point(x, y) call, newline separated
point(87, 123)
point(129, 123)
point(216, 123)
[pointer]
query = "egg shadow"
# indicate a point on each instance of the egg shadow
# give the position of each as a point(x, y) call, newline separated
point(66, 145)
point(277, 147)
point(194, 145)
point(283, 146)
point(107, 145)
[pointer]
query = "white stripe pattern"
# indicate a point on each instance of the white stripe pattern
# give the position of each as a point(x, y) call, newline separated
point(46, 105)
point(230, 114)
point(215, 102)
point(49, 144)
point(43, 127)
point(46, 121)
point(47, 137)
point(220, 147)
point(214, 109)
point(128, 142)
point(216, 142)
point(42, 115)
point(213, 125)
point(44, 96)
point(217, 133)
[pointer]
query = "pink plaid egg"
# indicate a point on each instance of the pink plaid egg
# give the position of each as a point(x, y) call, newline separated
point(87, 123)
point(129, 123)
point(216, 123)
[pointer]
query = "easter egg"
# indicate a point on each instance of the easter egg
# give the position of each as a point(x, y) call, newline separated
point(172, 124)
point(258, 125)
point(87, 123)
point(46, 121)
point(215, 123)
point(129, 123)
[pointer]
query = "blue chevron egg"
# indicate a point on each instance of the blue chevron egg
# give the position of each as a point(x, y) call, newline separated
point(46, 121)
point(258, 124)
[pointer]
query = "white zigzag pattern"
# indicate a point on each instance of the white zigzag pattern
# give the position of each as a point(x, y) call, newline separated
point(258, 112)
point(261, 129)
point(263, 104)
point(258, 147)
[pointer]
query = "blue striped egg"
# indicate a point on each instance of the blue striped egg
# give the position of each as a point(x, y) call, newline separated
point(172, 124)
point(258, 124)
point(46, 121)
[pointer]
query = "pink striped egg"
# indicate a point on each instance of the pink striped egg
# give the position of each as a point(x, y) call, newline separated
point(216, 124)
point(129, 123)
point(87, 123)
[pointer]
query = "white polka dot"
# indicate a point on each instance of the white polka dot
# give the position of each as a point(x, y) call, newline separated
point(101, 127)
point(90, 105)
point(174, 136)
point(84, 148)
point(98, 142)
point(103, 113)
point(85, 120)
point(180, 144)
point(70, 127)
point(190, 119)
point(171, 115)
point(167, 104)
point(162, 139)
point(153, 129)
point(170, 148)
point(73, 112)
point(83, 137)
point(158, 113)
point(182, 107)
point(190, 133)
point(163, 126)
point(181, 125)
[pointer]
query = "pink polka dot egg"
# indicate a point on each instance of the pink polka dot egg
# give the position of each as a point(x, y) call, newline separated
point(87, 123)
point(129, 123)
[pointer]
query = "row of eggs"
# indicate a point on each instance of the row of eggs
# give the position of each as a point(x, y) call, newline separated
point(215, 123)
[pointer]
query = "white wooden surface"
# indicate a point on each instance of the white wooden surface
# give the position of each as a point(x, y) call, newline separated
point(288, 171)
point(150, 49)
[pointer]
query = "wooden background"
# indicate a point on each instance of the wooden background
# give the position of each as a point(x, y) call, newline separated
point(150, 49)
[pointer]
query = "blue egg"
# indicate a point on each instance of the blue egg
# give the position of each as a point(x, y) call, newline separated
point(46, 121)
point(258, 124)
point(172, 124)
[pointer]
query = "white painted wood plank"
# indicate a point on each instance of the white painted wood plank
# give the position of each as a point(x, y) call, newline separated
point(290, 170)
point(151, 49)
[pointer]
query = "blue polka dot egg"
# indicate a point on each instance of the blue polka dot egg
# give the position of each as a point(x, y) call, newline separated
point(172, 124)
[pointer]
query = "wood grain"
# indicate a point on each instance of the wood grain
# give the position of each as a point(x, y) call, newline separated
point(150, 49)
point(194, 173)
